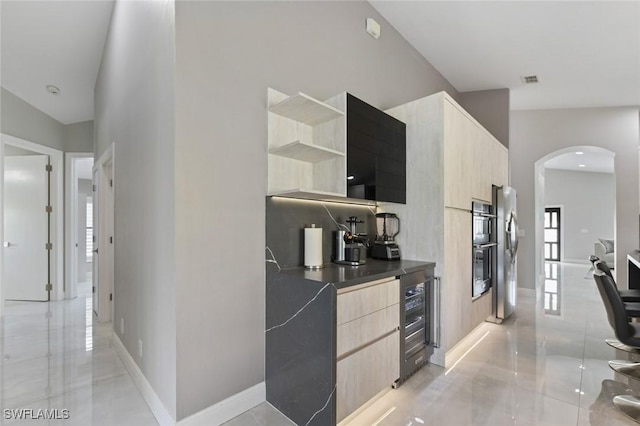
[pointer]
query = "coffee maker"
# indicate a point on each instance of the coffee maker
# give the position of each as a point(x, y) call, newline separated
point(349, 248)
point(385, 246)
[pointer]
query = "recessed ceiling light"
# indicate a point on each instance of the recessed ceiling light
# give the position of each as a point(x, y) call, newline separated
point(528, 79)
point(579, 152)
point(54, 90)
point(351, 177)
point(581, 165)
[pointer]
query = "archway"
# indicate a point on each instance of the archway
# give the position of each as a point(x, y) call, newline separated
point(539, 194)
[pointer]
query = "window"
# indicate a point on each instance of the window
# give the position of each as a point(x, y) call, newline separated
point(551, 290)
point(552, 233)
point(89, 233)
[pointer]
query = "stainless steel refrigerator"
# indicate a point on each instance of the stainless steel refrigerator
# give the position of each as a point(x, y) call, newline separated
point(505, 263)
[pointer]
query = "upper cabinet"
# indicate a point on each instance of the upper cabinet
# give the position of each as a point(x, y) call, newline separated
point(376, 153)
point(474, 160)
point(333, 149)
point(306, 146)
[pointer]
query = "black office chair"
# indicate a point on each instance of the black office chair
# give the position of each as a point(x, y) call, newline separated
point(631, 295)
point(628, 334)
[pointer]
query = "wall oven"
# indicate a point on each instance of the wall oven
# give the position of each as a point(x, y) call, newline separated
point(483, 248)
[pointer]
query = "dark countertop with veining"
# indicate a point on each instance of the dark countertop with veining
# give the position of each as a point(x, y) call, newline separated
point(344, 276)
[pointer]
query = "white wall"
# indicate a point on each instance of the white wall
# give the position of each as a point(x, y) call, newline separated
point(227, 54)
point(134, 109)
point(24, 121)
point(588, 209)
point(536, 134)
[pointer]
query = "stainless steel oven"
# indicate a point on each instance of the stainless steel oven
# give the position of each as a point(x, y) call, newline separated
point(483, 248)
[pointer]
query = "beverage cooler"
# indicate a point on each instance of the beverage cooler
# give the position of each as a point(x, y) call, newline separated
point(418, 331)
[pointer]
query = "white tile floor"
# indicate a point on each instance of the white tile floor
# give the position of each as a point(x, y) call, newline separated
point(536, 369)
point(54, 356)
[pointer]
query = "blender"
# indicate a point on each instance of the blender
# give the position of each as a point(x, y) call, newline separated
point(385, 246)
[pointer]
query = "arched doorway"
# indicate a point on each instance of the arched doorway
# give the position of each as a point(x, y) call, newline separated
point(576, 196)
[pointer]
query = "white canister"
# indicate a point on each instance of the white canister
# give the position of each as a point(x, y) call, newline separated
point(313, 247)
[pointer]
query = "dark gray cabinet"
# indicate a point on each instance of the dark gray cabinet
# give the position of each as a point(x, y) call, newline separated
point(376, 154)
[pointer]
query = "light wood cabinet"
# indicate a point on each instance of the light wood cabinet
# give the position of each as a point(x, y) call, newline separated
point(306, 146)
point(367, 342)
point(451, 161)
point(460, 136)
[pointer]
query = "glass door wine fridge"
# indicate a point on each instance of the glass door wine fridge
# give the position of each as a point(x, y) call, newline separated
point(417, 328)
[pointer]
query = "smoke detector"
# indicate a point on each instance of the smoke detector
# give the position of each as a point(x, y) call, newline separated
point(54, 90)
point(529, 79)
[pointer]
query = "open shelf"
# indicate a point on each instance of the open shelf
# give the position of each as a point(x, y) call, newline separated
point(305, 152)
point(306, 109)
point(308, 194)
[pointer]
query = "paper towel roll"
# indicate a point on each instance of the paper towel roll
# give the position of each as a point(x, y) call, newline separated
point(313, 247)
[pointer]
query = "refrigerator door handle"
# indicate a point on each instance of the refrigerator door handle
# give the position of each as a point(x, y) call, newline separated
point(515, 240)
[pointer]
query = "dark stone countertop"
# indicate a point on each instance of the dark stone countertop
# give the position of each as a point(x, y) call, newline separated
point(344, 276)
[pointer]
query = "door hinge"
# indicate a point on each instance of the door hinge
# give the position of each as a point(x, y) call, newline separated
point(111, 183)
point(93, 289)
point(48, 168)
point(48, 287)
point(111, 240)
point(94, 188)
point(48, 209)
point(48, 246)
point(93, 238)
point(110, 296)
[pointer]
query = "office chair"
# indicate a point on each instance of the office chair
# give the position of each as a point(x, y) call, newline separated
point(631, 295)
point(628, 334)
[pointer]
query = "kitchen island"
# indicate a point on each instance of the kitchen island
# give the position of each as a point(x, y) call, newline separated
point(308, 362)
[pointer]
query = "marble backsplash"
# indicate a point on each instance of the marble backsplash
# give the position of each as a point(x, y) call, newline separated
point(287, 218)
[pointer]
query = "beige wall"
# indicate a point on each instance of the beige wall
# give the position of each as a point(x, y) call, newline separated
point(227, 54)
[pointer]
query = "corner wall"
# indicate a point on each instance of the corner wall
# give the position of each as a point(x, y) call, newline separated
point(134, 110)
point(227, 55)
point(535, 134)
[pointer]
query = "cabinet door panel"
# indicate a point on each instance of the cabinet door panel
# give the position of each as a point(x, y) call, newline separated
point(364, 374)
point(363, 301)
point(457, 286)
point(458, 135)
point(482, 166)
point(366, 329)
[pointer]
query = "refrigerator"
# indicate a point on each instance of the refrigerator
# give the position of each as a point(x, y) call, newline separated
point(505, 263)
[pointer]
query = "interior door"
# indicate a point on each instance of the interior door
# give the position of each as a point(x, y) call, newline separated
point(26, 228)
point(95, 264)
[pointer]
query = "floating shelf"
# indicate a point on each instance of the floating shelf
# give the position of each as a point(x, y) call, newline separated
point(305, 152)
point(306, 110)
point(306, 194)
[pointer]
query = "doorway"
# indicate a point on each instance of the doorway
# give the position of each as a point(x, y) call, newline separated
point(103, 204)
point(581, 181)
point(78, 224)
point(552, 235)
point(12, 146)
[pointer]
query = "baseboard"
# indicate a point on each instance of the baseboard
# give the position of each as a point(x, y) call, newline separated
point(578, 261)
point(528, 292)
point(229, 408)
point(153, 400)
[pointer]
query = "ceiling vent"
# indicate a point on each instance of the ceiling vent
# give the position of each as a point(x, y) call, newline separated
point(529, 79)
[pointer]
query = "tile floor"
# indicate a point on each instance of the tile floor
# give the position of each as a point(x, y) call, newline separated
point(541, 367)
point(54, 356)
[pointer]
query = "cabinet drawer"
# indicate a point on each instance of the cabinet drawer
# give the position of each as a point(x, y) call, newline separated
point(364, 374)
point(358, 301)
point(368, 328)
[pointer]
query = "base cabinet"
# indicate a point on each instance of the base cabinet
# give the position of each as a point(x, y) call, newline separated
point(365, 373)
point(367, 343)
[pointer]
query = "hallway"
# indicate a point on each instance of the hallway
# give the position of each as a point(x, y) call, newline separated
point(54, 356)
